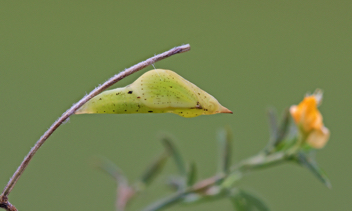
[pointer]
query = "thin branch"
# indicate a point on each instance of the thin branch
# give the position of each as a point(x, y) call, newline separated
point(166, 202)
point(8, 206)
point(69, 112)
point(5, 204)
point(261, 161)
point(252, 163)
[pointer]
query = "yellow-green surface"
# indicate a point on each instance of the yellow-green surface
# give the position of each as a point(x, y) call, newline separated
point(156, 91)
point(249, 55)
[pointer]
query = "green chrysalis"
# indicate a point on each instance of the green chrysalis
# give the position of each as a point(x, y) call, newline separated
point(156, 91)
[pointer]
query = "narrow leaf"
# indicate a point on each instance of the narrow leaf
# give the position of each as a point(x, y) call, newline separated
point(176, 155)
point(310, 163)
point(255, 201)
point(231, 179)
point(110, 168)
point(192, 174)
point(272, 126)
point(244, 201)
point(284, 127)
point(239, 204)
point(278, 133)
point(154, 168)
point(225, 142)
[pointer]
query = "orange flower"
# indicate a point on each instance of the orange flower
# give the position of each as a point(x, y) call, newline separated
point(310, 121)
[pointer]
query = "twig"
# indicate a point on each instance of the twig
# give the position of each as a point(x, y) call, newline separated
point(5, 204)
point(69, 112)
point(252, 163)
point(166, 202)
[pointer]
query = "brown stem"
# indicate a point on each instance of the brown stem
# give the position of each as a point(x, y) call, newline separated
point(5, 204)
point(69, 112)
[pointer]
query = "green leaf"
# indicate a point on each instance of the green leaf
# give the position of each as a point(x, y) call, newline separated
point(225, 142)
point(111, 169)
point(192, 174)
point(176, 155)
point(309, 162)
point(272, 126)
point(284, 127)
point(154, 168)
point(231, 179)
point(244, 201)
point(277, 133)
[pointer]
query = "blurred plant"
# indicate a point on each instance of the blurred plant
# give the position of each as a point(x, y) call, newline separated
point(288, 143)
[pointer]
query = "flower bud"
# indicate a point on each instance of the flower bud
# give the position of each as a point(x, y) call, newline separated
point(310, 121)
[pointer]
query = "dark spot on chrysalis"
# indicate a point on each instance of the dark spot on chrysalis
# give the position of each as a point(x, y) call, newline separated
point(136, 110)
point(125, 110)
point(118, 93)
point(129, 92)
point(198, 106)
point(145, 99)
point(113, 110)
point(150, 111)
point(99, 98)
point(181, 112)
point(198, 93)
point(138, 97)
point(104, 111)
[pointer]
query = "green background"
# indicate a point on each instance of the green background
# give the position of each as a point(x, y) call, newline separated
point(250, 55)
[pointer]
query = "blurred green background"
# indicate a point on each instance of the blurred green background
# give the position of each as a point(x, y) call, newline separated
point(250, 55)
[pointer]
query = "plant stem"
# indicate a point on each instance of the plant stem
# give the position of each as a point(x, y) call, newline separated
point(255, 162)
point(166, 202)
point(69, 112)
point(260, 161)
point(5, 204)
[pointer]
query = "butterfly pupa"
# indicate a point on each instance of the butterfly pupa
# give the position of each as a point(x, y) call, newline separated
point(156, 91)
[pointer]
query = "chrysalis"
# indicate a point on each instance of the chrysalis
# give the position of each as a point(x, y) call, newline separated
point(156, 91)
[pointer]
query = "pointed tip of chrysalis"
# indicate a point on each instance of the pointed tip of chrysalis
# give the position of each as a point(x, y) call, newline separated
point(225, 110)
